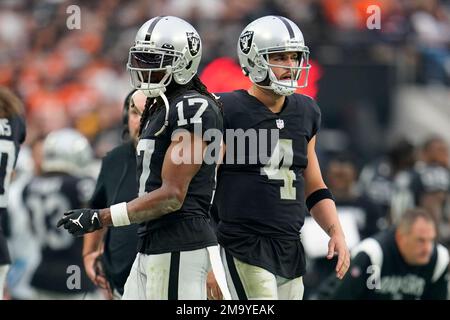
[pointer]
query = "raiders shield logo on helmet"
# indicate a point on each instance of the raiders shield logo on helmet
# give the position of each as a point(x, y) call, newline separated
point(193, 42)
point(245, 41)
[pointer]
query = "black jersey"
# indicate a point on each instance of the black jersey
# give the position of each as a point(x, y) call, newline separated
point(378, 271)
point(117, 183)
point(45, 198)
point(187, 228)
point(12, 135)
point(260, 192)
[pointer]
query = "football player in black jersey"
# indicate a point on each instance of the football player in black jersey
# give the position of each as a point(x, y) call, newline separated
point(261, 194)
point(181, 130)
point(63, 184)
point(12, 135)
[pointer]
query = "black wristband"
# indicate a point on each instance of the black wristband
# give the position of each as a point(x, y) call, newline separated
point(317, 196)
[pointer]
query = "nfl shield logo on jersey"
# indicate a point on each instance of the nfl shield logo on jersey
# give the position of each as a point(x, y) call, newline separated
point(280, 123)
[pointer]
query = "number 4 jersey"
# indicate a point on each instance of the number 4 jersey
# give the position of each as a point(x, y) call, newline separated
point(260, 192)
point(187, 228)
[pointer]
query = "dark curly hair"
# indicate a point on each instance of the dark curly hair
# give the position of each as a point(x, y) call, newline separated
point(10, 104)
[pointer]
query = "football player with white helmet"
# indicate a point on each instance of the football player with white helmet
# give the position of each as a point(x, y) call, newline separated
point(175, 237)
point(66, 150)
point(62, 185)
point(159, 55)
point(261, 206)
point(263, 47)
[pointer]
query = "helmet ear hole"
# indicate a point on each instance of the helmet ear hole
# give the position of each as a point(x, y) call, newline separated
point(266, 81)
point(189, 65)
point(250, 63)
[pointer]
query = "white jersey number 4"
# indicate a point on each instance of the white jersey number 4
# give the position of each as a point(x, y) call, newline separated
point(283, 152)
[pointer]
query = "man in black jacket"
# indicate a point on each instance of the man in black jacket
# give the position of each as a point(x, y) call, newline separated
point(397, 264)
point(109, 264)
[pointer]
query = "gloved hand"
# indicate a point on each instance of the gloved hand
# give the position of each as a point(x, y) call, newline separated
point(80, 221)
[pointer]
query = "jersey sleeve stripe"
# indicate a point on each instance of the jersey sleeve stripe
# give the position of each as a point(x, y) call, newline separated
point(372, 248)
point(441, 263)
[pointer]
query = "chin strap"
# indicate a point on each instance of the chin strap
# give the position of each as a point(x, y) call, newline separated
point(166, 119)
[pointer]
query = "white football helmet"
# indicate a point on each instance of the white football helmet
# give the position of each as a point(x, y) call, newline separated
point(66, 150)
point(272, 34)
point(168, 45)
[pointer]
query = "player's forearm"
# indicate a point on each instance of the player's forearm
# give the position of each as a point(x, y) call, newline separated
point(154, 205)
point(91, 241)
point(149, 206)
point(325, 214)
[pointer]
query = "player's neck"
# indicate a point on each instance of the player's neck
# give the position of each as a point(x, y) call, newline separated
point(270, 99)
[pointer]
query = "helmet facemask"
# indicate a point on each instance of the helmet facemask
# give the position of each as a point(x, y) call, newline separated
point(152, 69)
point(166, 49)
point(298, 77)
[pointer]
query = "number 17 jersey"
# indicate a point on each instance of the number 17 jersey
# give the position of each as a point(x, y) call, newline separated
point(187, 228)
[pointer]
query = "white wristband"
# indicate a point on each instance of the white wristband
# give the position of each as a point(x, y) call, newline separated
point(119, 214)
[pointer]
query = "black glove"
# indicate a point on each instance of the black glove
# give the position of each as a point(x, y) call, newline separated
point(81, 221)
